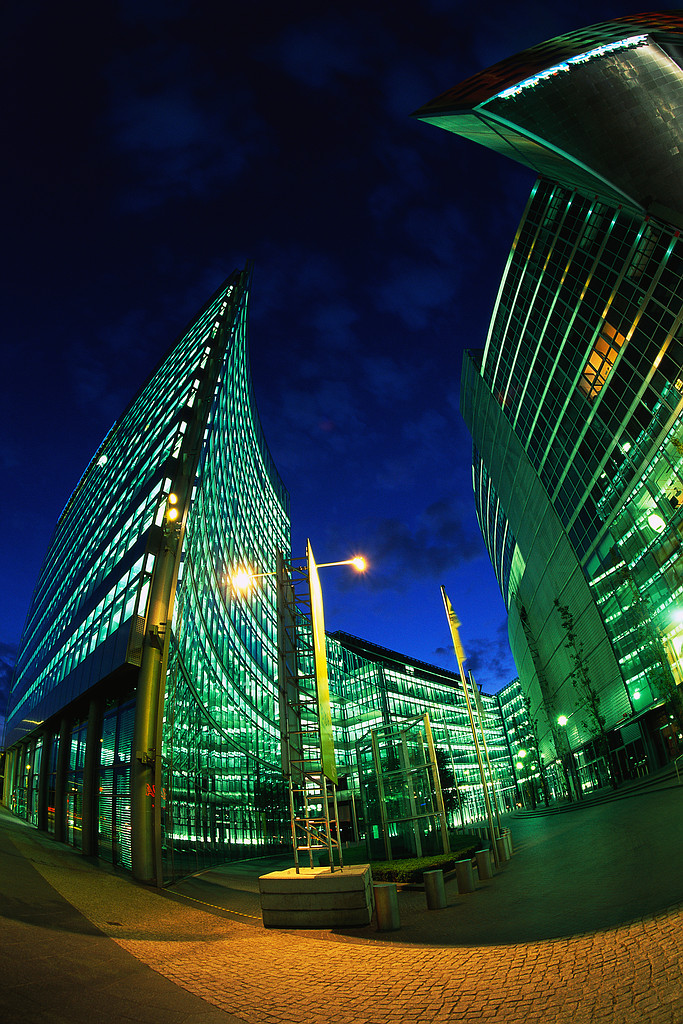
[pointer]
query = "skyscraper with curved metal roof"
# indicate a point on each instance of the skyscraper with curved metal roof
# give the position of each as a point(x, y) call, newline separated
point(575, 404)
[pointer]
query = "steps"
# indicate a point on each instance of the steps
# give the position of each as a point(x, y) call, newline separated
point(664, 778)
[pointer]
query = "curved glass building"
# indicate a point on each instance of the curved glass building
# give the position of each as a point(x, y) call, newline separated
point(575, 404)
point(142, 719)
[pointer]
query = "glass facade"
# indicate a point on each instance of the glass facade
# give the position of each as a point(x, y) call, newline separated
point(373, 688)
point(92, 592)
point(221, 744)
point(135, 585)
point(575, 404)
point(144, 721)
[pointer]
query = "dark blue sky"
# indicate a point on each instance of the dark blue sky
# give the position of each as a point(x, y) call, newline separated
point(156, 145)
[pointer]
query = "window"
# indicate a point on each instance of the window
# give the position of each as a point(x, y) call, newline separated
point(601, 361)
point(643, 253)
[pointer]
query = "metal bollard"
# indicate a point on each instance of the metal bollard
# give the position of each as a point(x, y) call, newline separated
point(484, 866)
point(435, 890)
point(386, 905)
point(464, 875)
point(501, 847)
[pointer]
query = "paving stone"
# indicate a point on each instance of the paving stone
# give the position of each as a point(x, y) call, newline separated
point(528, 949)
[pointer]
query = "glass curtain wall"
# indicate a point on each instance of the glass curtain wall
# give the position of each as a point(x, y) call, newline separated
point(373, 688)
point(585, 359)
point(224, 794)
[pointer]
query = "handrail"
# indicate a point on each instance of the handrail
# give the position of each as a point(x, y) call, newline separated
point(678, 771)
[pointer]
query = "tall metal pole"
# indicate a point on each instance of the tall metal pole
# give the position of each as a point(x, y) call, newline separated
point(380, 794)
point(437, 786)
point(455, 779)
point(480, 716)
point(460, 657)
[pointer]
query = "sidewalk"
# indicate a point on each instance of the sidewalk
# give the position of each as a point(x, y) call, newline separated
point(584, 924)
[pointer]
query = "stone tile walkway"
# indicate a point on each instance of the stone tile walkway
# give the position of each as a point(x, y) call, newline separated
point(584, 924)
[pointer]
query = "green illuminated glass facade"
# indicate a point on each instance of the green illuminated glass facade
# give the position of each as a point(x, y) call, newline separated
point(142, 720)
point(373, 687)
point(575, 404)
point(221, 726)
point(143, 724)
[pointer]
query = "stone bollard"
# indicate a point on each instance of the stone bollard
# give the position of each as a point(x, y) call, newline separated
point(464, 875)
point(435, 890)
point(501, 847)
point(386, 905)
point(484, 865)
point(508, 842)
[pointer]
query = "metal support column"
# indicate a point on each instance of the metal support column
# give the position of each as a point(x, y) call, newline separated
point(380, 793)
point(91, 766)
point(437, 786)
point(62, 774)
point(45, 757)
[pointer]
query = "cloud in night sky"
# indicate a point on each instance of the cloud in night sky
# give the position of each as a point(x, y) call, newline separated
point(489, 656)
point(287, 268)
point(401, 84)
point(406, 176)
point(335, 322)
point(435, 543)
point(177, 151)
point(386, 378)
point(317, 53)
point(179, 131)
point(442, 231)
point(414, 290)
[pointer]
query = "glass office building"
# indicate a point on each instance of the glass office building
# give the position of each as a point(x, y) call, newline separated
point(142, 724)
point(575, 404)
point(372, 687)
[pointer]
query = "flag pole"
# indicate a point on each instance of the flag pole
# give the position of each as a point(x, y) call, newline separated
point(453, 622)
point(480, 715)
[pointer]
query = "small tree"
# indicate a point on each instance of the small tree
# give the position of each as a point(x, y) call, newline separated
point(449, 785)
point(535, 752)
point(559, 740)
point(589, 698)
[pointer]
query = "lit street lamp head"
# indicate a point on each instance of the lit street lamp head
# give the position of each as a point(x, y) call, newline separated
point(358, 562)
point(241, 581)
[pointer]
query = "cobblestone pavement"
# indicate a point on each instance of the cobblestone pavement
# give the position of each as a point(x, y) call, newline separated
point(627, 973)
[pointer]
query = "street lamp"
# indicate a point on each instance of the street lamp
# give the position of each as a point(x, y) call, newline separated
point(242, 580)
point(306, 767)
point(568, 765)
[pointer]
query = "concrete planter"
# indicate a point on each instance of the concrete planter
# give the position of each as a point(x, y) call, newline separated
point(317, 898)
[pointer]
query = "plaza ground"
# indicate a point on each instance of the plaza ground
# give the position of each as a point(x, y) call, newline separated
point(583, 924)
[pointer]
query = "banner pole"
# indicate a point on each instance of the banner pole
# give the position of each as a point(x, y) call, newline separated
point(453, 623)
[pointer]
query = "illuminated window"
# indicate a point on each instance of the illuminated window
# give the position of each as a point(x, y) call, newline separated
point(601, 361)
